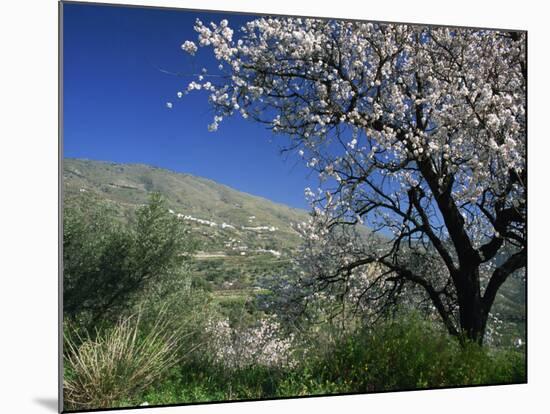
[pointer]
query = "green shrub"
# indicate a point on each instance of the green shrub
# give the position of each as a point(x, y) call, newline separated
point(411, 353)
point(107, 264)
point(118, 364)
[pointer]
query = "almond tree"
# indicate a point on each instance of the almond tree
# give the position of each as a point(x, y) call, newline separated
point(418, 132)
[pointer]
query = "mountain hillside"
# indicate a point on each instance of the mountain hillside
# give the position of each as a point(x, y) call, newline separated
point(221, 214)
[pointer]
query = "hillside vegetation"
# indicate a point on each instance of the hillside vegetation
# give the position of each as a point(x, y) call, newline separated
point(128, 185)
point(193, 280)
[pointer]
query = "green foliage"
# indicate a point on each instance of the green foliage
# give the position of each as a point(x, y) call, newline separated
point(399, 354)
point(186, 310)
point(409, 352)
point(107, 263)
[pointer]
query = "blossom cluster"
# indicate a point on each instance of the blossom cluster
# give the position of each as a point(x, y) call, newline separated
point(404, 94)
point(263, 344)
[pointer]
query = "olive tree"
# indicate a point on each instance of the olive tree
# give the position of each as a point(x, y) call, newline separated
point(107, 264)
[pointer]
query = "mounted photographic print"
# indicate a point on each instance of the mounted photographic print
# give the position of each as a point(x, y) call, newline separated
point(259, 207)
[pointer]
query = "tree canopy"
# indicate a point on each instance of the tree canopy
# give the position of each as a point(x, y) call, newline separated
point(418, 132)
point(107, 263)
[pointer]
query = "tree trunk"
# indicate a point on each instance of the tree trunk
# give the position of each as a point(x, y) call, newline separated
point(473, 315)
point(473, 321)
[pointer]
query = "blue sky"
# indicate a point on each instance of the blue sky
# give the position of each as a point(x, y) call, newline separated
point(115, 103)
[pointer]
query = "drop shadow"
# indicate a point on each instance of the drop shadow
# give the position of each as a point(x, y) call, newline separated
point(49, 403)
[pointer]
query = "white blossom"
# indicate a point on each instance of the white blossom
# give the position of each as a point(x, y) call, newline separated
point(189, 47)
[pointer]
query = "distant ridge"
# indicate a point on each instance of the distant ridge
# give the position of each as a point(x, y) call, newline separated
point(197, 200)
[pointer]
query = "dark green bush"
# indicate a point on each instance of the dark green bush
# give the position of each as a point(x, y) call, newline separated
point(410, 353)
point(107, 263)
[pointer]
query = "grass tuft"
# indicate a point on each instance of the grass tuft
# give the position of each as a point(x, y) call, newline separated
point(118, 364)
